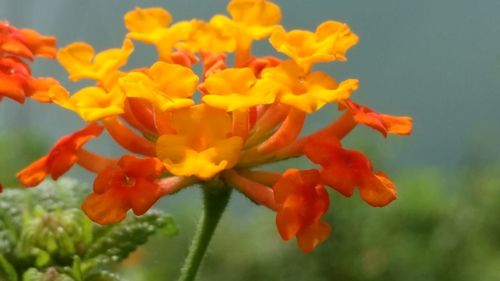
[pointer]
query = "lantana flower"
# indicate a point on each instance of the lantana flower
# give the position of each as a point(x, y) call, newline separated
point(17, 47)
point(181, 128)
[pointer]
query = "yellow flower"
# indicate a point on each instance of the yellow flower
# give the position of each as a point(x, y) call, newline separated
point(91, 103)
point(167, 86)
point(81, 62)
point(257, 18)
point(152, 26)
point(250, 20)
point(147, 24)
point(330, 42)
point(236, 88)
point(307, 92)
point(213, 36)
point(201, 146)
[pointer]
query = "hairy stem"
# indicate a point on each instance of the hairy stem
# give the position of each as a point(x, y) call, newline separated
point(215, 199)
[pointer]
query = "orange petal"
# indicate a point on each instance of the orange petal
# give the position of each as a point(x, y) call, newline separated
point(377, 190)
point(34, 174)
point(310, 237)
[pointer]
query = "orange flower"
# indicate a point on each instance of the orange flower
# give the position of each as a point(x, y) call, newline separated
point(344, 170)
point(60, 158)
point(16, 81)
point(385, 124)
point(302, 201)
point(25, 42)
point(130, 184)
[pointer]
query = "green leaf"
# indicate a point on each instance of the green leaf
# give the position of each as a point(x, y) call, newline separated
point(76, 269)
point(118, 241)
point(8, 269)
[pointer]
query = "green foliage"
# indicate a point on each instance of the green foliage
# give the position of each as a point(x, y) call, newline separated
point(113, 244)
point(45, 236)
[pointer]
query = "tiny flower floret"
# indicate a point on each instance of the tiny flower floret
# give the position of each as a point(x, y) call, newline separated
point(17, 46)
point(330, 42)
point(61, 157)
point(201, 146)
point(130, 184)
point(236, 88)
point(80, 60)
point(344, 170)
point(257, 18)
point(91, 103)
point(166, 86)
point(306, 91)
point(302, 201)
point(385, 124)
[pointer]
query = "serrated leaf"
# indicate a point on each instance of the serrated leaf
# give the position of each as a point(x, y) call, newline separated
point(120, 240)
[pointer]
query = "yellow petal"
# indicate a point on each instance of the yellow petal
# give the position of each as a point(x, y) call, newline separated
point(230, 81)
point(182, 160)
point(61, 97)
point(307, 92)
point(79, 61)
point(175, 80)
point(147, 20)
point(235, 88)
point(330, 42)
point(215, 36)
point(94, 103)
point(204, 124)
point(168, 86)
point(257, 17)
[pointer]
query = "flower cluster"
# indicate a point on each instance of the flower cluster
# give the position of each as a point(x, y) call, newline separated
point(16, 47)
point(240, 112)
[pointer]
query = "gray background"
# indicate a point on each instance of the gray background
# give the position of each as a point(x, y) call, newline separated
point(436, 60)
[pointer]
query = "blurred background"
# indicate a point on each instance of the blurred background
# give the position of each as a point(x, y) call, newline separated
point(437, 61)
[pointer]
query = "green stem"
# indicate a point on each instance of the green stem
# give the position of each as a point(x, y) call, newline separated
point(215, 199)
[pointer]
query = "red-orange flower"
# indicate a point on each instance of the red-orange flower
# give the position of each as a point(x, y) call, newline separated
point(16, 81)
point(25, 42)
point(344, 170)
point(60, 158)
point(130, 184)
point(385, 124)
point(302, 200)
